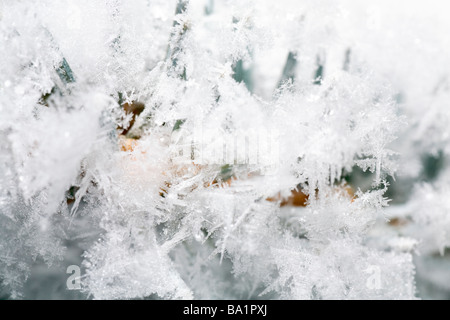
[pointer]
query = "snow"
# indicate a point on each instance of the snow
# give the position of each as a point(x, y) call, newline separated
point(246, 104)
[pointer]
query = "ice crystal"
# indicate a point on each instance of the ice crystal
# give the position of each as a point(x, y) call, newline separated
point(221, 149)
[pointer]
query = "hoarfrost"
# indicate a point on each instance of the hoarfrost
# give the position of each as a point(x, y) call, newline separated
point(210, 149)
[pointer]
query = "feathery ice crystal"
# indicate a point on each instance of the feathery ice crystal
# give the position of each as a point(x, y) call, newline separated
point(206, 149)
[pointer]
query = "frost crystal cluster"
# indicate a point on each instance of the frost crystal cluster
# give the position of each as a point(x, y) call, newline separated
point(224, 149)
